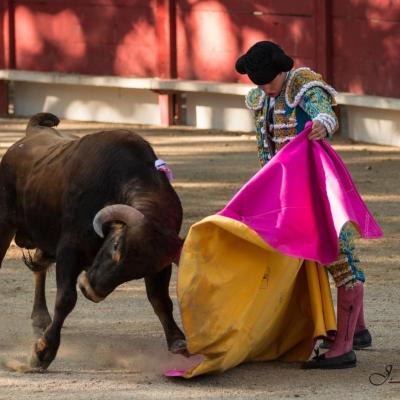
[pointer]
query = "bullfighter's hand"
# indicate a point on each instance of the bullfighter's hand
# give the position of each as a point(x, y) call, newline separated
point(318, 131)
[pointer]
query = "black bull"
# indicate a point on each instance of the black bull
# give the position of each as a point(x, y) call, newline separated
point(100, 210)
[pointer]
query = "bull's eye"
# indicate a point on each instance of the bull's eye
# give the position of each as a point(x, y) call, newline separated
point(116, 246)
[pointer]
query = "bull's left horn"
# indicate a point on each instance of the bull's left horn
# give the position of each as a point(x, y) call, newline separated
point(116, 212)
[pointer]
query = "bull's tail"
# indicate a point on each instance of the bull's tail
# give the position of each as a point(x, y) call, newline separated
point(45, 120)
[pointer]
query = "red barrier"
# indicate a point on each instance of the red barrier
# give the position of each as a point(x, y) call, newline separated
point(354, 44)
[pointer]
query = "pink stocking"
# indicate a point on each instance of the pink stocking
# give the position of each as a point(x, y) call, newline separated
point(349, 302)
point(360, 321)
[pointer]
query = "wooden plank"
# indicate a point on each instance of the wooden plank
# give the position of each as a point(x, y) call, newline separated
point(249, 7)
point(323, 38)
point(167, 63)
point(86, 38)
point(166, 38)
point(366, 57)
point(7, 50)
point(383, 10)
point(91, 3)
point(208, 43)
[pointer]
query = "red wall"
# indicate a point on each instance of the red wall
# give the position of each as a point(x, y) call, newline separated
point(366, 46)
point(211, 34)
point(86, 36)
point(355, 43)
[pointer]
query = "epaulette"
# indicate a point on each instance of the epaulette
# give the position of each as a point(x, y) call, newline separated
point(302, 79)
point(255, 99)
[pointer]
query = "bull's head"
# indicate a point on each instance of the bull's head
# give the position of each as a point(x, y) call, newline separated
point(133, 248)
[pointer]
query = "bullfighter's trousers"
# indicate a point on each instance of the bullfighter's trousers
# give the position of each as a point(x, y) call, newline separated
point(347, 269)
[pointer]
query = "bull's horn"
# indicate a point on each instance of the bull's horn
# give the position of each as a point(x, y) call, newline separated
point(116, 212)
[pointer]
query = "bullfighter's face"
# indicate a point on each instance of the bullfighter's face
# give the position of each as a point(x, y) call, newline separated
point(274, 87)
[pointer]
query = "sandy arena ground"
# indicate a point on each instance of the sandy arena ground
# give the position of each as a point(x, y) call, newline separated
point(116, 349)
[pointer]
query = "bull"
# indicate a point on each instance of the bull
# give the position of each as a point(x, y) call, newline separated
point(99, 209)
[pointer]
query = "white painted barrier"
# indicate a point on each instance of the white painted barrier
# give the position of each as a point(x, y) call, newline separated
point(208, 104)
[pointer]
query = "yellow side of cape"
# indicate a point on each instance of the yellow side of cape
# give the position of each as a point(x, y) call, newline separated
point(240, 300)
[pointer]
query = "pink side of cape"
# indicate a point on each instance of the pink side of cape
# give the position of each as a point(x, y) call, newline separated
point(301, 199)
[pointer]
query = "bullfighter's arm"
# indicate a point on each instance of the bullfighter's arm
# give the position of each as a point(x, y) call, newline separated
point(316, 103)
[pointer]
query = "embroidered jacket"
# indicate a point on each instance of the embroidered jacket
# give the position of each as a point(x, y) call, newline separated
point(304, 97)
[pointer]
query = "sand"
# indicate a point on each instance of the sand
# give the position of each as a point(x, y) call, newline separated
point(116, 349)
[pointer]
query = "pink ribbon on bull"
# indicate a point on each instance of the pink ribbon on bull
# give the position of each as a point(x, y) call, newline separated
point(161, 165)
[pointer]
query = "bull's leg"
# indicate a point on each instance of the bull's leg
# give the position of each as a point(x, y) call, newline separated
point(157, 292)
point(67, 271)
point(40, 314)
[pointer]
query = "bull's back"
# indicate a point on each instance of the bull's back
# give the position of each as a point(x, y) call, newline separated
point(119, 167)
point(32, 156)
point(61, 184)
point(31, 172)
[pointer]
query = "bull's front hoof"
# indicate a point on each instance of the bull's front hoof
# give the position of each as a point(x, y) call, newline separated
point(42, 355)
point(179, 347)
point(36, 363)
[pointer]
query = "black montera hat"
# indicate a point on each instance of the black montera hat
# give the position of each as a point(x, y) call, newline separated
point(263, 62)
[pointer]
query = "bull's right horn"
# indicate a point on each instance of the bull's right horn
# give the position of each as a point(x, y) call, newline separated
point(116, 212)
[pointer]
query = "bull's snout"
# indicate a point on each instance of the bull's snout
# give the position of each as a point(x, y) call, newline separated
point(87, 290)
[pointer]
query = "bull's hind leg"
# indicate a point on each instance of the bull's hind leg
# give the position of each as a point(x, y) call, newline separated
point(40, 314)
point(67, 271)
point(157, 287)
